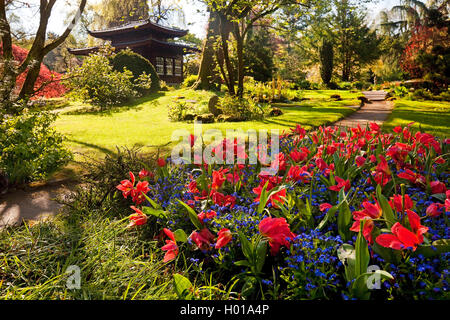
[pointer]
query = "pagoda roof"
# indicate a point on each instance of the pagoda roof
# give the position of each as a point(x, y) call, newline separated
point(136, 43)
point(138, 25)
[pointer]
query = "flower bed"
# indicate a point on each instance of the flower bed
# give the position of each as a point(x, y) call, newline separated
point(351, 214)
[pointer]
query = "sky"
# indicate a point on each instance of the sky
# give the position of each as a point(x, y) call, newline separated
point(196, 18)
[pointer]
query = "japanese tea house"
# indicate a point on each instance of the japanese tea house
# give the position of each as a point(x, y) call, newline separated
point(153, 41)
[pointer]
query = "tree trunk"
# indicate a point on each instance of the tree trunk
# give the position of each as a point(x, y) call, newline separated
point(240, 55)
point(207, 74)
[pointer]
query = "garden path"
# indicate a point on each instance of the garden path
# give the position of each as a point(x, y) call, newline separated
point(377, 110)
point(31, 203)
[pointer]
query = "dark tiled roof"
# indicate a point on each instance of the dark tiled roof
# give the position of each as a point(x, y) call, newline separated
point(141, 24)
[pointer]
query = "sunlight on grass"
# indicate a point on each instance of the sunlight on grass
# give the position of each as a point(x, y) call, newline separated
point(428, 116)
point(145, 123)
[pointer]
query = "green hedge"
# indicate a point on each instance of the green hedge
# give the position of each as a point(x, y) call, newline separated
point(137, 64)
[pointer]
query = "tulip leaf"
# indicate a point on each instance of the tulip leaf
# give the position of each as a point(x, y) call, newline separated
point(182, 285)
point(242, 263)
point(246, 246)
point(344, 217)
point(263, 198)
point(153, 203)
point(361, 252)
point(180, 236)
point(388, 214)
point(192, 215)
point(346, 254)
point(161, 214)
point(436, 248)
point(361, 286)
point(261, 251)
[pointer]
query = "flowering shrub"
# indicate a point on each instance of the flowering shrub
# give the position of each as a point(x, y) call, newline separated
point(48, 83)
point(351, 214)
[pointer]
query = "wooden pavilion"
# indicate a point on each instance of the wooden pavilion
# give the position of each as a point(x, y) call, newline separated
point(153, 41)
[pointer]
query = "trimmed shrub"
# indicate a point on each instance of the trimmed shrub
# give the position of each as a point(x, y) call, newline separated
point(137, 64)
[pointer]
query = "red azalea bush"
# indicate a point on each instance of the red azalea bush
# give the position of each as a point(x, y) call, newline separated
point(346, 207)
point(48, 84)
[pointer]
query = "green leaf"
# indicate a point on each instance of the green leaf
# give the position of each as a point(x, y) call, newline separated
point(246, 246)
point(362, 252)
point(180, 236)
point(440, 246)
point(344, 218)
point(192, 215)
point(155, 212)
point(388, 214)
point(153, 203)
point(360, 288)
point(264, 197)
point(242, 263)
point(346, 254)
point(181, 285)
point(261, 251)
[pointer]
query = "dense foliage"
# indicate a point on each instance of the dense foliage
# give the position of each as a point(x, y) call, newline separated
point(97, 82)
point(346, 207)
point(31, 149)
point(48, 83)
point(137, 64)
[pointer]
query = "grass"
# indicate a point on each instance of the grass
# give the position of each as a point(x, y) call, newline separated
point(115, 263)
point(428, 116)
point(145, 123)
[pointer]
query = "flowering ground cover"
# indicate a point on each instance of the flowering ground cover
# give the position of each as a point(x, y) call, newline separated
point(351, 214)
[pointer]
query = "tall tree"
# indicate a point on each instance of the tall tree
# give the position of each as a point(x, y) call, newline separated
point(235, 18)
point(326, 61)
point(39, 49)
point(117, 12)
point(357, 45)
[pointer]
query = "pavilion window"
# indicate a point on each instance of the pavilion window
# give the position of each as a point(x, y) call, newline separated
point(178, 67)
point(169, 66)
point(160, 66)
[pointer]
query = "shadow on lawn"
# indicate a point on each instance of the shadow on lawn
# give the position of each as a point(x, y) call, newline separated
point(108, 111)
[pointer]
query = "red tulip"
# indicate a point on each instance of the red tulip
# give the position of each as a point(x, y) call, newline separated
point(397, 203)
point(325, 206)
point(367, 228)
point(171, 246)
point(416, 227)
point(137, 219)
point(401, 238)
point(144, 173)
point(438, 187)
point(161, 162)
point(360, 161)
point(435, 209)
point(202, 239)
point(224, 238)
point(341, 184)
point(138, 193)
point(126, 186)
point(277, 231)
point(218, 179)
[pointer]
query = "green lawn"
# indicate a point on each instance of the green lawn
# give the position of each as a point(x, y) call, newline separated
point(145, 122)
point(429, 116)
